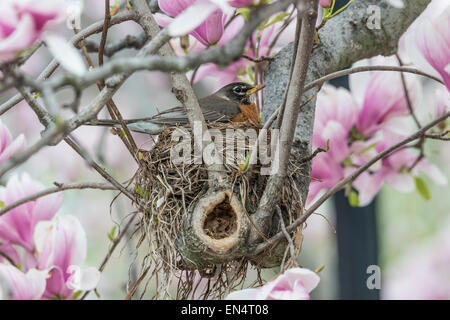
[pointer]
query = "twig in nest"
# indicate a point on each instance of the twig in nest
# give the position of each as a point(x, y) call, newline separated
point(288, 238)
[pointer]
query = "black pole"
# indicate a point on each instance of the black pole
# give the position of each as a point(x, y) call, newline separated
point(357, 242)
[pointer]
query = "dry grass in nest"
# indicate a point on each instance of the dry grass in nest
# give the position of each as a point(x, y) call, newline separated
point(169, 191)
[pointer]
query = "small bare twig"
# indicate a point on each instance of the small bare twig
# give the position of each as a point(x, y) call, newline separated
point(59, 188)
point(257, 60)
point(407, 97)
point(116, 241)
point(288, 238)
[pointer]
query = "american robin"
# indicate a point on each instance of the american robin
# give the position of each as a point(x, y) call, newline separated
point(232, 103)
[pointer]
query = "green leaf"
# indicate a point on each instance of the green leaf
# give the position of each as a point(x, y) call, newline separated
point(245, 12)
point(244, 166)
point(250, 73)
point(2, 204)
point(277, 18)
point(347, 162)
point(36, 95)
point(128, 5)
point(112, 233)
point(422, 188)
point(367, 148)
point(76, 294)
point(353, 198)
point(319, 268)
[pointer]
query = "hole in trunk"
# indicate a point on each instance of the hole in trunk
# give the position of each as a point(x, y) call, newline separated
point(221, 222)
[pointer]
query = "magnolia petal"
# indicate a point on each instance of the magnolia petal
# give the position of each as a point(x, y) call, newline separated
point(162, 20)
point(23, 37)
point(433, 172)
point(38, 281)
point(309, 278)
point(293, 284)
point(87, 280)
point(56, 286)
point(191, 18)
point(246, 294)
point(17, 145)
point(338, 138)
point(222, 4)
point(29, 286)
point(401, 182)
point(66, 54)
point(368, 186)
point(8, 249)
point(61, 242)
point(416, 56)
point(46, 207)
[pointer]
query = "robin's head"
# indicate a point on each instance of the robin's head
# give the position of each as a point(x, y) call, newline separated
point(238, 92)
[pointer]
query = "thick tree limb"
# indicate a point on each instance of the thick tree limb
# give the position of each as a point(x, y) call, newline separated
point(263, 216)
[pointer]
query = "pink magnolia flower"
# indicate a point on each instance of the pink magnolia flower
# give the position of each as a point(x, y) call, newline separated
point(293, 284)
point(336, 114)
point(442, 103)
point(7, 251)
point(8, 146)
point(241, 3)
point(18, 224)
point(380, 95)
point(22, 286)
point(61, 247)
point(325, 3)
point(428, 45)
point(395, 172)
point(223, 76)
point(325, 173)
point(22, 22)
point(209, 30)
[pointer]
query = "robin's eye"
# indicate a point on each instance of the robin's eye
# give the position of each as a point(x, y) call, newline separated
point(238, 90)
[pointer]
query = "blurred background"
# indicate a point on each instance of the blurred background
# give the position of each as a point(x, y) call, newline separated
point(405, 235)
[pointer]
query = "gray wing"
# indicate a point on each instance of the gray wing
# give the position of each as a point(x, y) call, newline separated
point(214, 108)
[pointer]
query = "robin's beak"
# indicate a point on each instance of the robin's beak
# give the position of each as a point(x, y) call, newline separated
point(254, 89)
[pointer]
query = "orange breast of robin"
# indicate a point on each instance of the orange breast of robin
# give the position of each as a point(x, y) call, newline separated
point(249, 112)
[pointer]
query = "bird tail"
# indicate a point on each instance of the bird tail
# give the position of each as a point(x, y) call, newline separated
point(147, 127)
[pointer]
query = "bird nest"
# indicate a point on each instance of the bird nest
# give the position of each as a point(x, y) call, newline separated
point(169, 191)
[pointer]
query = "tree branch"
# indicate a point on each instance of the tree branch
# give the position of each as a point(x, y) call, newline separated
point(59, 187)
point(262, 217)
point(79, 37)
